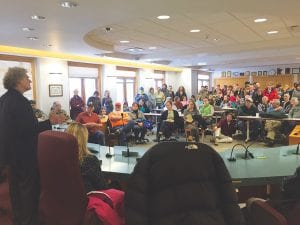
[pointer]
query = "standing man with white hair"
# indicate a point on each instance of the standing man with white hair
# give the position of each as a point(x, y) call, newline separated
point(18, 146)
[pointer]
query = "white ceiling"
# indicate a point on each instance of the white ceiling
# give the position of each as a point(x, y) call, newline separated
point(81, 30)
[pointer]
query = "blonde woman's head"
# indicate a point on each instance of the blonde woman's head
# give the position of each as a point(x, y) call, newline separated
point(81, 134)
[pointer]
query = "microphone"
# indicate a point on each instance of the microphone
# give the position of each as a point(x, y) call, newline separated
point(247, 152)
point(231, 158)
point(297, 150)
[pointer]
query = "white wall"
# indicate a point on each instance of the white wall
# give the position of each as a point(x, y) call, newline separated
point(180, 79)
point(145, 79)
point(44, 67)
point(108, 80)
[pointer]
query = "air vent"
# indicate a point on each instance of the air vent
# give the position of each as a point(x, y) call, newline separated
point(295, 28)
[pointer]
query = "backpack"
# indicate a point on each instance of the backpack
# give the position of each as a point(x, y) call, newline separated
point(148, 124)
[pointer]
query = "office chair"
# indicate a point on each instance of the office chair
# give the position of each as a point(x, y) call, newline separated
point(261, 213)
point(5, 205)
point(63, 199)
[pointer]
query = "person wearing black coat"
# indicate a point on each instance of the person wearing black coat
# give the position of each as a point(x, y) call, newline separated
point(173, 184)
point(169, 120)
point(18, 146)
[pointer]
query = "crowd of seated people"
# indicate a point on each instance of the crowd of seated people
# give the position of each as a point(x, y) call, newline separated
point(243, 101)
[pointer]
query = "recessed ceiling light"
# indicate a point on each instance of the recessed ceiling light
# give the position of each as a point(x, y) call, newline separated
point(201, 63)
point(260, 20)
point(152, 48)
point(124, 41)
point(195, 31)
point(216, 39)
point(68, 4)
point(134, 49)
point(26, 29)
point(163, 17)
point(33, 38)
point(273, 32)
point(36, 17)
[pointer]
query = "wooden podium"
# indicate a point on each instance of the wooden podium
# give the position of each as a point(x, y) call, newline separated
point(294, 137)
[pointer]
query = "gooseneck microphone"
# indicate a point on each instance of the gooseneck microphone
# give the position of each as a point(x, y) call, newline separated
point(231, 158)
point(247, 152)
point(297, 150)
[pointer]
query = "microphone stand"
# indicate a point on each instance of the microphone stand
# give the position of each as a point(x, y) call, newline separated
point(297, 150)
point(127, 153)
point(231, 158)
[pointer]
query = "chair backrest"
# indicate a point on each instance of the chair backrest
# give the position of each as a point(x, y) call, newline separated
point(63, 199)
point(263, 214)
point(294, 216)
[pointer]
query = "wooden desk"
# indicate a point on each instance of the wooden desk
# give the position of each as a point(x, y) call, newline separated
point(248, 118)
point(294, 137)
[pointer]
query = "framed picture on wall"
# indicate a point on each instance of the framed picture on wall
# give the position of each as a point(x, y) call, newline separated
point(259, 73)
point(228, 74)
point(224, 74)
point(247, 73)
point(265, 73)
point(55, 90)
point(253, 73)
point(287, 70)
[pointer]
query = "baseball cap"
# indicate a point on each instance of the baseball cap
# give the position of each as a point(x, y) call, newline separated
point(249, 100)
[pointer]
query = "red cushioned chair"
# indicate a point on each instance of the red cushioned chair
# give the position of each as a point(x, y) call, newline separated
point(5, 205)
point(63, 199)
point(262, 213)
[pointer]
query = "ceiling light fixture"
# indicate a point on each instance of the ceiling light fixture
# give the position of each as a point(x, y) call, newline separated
point(273, 32)
point(202, 64)
point(33, 38)
point(135, 49)
point(195, 31)
point(216, 39)
point(68, 4)
point(36, 17)
point(26, 29)
point(124, 41)
point(260, 20)
point(152, 48)
point(163, 17)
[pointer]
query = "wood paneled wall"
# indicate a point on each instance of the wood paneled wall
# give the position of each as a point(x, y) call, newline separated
point(231, 81)
point(276, 79)
point(263, 80)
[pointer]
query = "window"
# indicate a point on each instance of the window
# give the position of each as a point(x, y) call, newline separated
point(126, 83)
point(84, 78)
point(7, 61)
point(203, 80)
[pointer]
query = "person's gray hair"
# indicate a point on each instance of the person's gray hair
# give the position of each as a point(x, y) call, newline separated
point(13, 76)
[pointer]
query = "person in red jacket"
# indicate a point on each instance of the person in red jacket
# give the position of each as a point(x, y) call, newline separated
point(271, 92)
